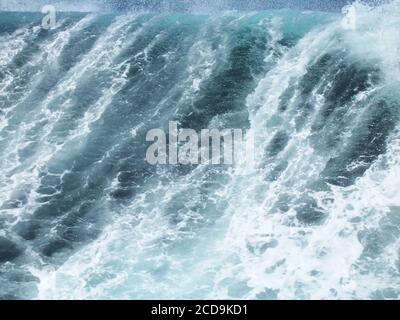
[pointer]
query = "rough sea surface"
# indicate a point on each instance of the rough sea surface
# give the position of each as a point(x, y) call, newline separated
point(82, 214)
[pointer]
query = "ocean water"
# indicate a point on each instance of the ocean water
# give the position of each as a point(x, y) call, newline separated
point(84, 216)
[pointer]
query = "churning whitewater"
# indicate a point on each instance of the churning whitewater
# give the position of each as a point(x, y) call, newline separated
point(84, 216)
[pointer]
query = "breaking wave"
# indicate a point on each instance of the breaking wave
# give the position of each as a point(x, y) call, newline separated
point(82, 214)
